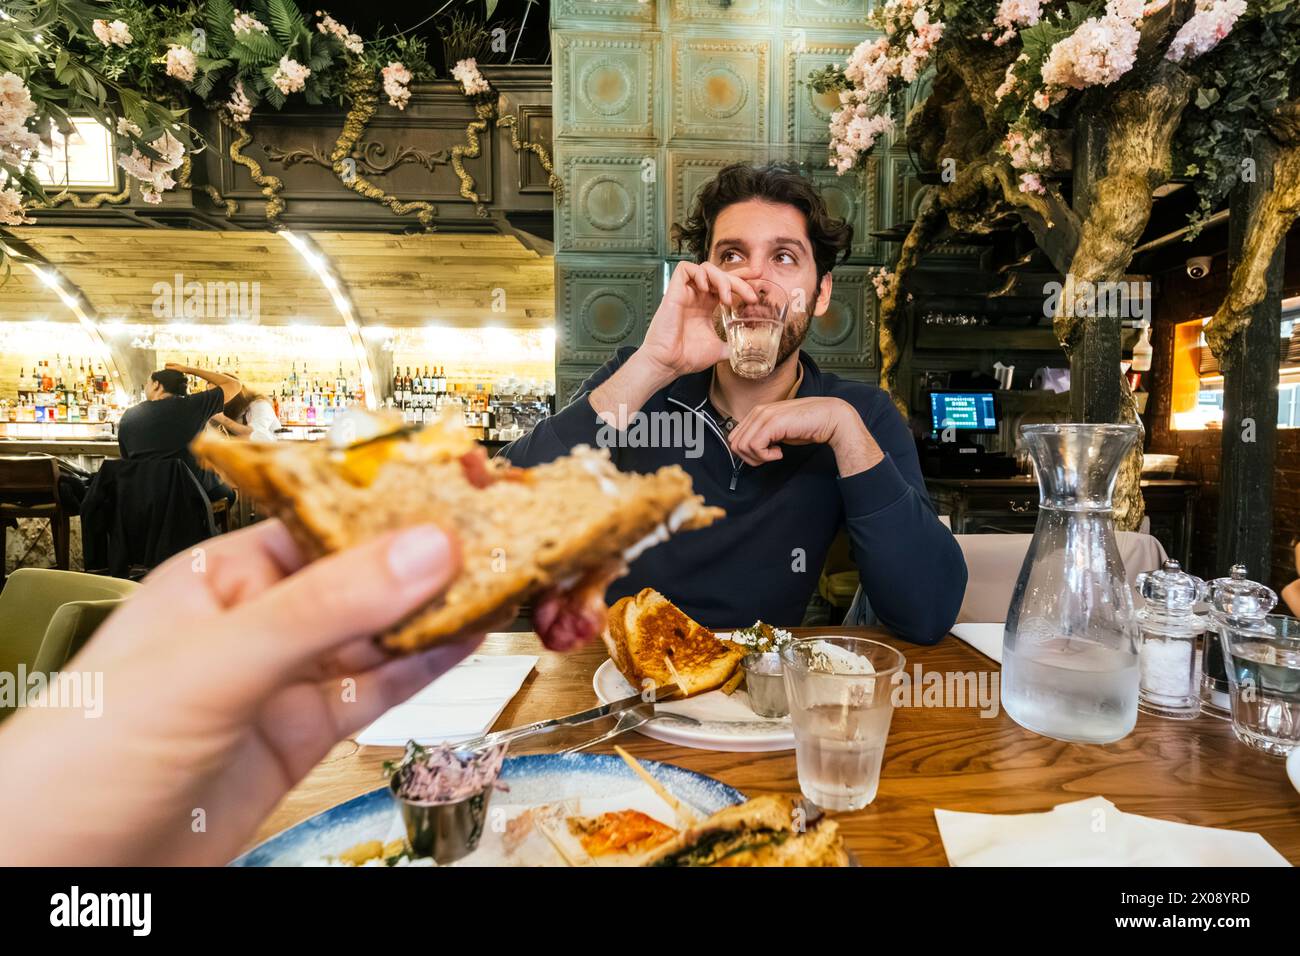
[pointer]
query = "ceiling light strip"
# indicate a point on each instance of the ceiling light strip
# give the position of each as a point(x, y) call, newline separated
point(320, 265)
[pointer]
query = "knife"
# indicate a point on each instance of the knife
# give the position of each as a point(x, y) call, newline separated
point(663, 692)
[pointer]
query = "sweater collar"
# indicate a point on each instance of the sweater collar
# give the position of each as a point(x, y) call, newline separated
point(693, 390)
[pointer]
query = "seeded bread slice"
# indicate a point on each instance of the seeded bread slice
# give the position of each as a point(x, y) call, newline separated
point(520, 530)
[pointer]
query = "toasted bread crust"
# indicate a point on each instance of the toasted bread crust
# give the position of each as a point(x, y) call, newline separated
point(651, 631)
point(520, 534)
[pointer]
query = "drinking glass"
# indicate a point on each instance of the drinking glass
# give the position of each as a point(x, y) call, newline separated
point(754, 329)
point(1264, 684)
point(841, 702)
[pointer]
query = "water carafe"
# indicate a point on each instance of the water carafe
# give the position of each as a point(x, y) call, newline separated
point(1069, 651)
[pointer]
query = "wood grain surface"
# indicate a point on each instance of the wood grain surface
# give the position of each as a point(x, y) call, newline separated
point(952, 758)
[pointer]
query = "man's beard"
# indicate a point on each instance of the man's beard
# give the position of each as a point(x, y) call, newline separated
point(793, 333)
point(792, 336)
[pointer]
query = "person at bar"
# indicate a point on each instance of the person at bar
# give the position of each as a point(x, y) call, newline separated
point(792, 457)
point(248, 415)
point(164, 425)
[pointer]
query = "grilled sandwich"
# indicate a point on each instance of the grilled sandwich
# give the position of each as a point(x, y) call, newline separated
point(650, 639)
point(766, 831)
point(560, 526)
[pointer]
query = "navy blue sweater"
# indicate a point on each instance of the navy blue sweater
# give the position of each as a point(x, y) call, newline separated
point(764, 559)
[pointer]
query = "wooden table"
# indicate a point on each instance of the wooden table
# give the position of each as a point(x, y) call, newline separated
point(1189, 771)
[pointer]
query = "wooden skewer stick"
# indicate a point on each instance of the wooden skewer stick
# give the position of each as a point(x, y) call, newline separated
point(683, 812)
point(560, 848)
point(677, 678)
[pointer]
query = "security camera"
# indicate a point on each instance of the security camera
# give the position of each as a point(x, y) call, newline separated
point(1198, 267)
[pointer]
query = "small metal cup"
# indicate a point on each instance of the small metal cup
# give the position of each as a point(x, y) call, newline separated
point(765, 684)
point(445, 831)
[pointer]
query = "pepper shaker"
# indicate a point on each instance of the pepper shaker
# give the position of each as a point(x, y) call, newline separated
point(1238, 607)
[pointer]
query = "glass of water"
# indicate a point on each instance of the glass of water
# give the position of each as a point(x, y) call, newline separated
point(754, 329)
point(1264, 684)
point(841, 701)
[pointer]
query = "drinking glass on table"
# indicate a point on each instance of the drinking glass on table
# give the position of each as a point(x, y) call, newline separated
point(754, 329)
point(841, 701)
point(1263, 666)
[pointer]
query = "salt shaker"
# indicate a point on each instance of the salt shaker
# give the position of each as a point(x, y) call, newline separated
point(1168, 628)
point(1238, 607)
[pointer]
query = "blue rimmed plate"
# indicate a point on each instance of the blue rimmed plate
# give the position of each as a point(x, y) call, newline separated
point(532, 780)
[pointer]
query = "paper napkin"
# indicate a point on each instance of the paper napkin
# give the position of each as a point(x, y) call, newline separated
point(463, 703)
point(1094, 832)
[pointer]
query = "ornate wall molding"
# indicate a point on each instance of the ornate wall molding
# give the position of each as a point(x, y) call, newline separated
point(369, 157)
point(270, 185)
point(485, 111)
point(511, 123)
point(183, 179)
point(606, 84)
point(716, 80)
point(361, 91)
point(94, 202)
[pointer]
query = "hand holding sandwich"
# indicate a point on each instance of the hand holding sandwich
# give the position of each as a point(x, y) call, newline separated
point(225, 680)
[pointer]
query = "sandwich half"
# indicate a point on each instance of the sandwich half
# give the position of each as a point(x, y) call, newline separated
point(650, 639)
point(766, 831)
point(567, 525)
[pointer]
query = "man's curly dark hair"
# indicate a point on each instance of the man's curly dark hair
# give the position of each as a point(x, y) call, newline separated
point(775, 183)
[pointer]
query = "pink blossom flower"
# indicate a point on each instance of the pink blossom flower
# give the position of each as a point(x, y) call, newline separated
point(1203, 30)
point(240, 107)
point(854, 130)
point(1099, 52)
point(396, 78)
point(17, 142)
point(351, 42)
point(1125, 9)
point(1030, 183)
point(181, 63)
point(11, 208)
point(154, 175)
point(116, 33)
point(290, 76)
point(885, 282)
point(466, 72)
point(1009, 81)
point(1016, 13)
point(246, 23)
point(1027, 152)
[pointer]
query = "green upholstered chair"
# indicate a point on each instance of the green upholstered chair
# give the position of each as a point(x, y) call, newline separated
point(46, 616)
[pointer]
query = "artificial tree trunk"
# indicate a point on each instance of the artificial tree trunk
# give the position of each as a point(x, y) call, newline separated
point(1091, 243)
point(1136, 127)
point(1277, 209)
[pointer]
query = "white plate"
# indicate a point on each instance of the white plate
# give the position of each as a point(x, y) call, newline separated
point(1293, 768)
point(726, 722)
